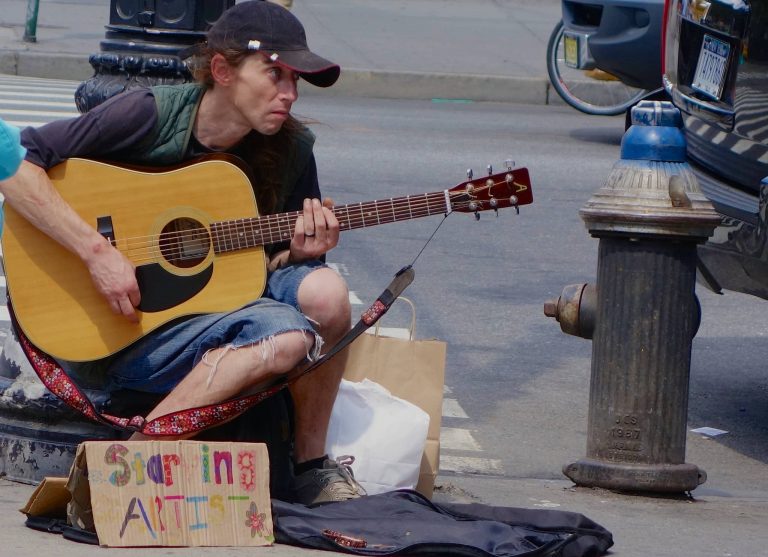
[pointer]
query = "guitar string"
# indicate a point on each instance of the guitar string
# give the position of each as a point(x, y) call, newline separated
point(231, 232)
point(291, 216)
point(271, 226)
point(233, 243)
point(416, 210)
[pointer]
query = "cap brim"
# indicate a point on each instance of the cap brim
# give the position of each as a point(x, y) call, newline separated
point(313, 68)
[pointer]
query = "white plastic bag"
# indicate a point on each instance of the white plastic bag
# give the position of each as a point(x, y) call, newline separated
point(385, 434)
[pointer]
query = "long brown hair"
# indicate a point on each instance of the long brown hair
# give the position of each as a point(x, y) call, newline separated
point(267, 154)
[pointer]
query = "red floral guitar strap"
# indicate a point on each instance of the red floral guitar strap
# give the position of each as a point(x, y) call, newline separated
point(194, 420)
point(191, 420)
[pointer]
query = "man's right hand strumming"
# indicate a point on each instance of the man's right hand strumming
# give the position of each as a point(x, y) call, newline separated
point(33, 195)
point(114, 276)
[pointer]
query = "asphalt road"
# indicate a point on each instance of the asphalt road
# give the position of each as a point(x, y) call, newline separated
point(480, 286)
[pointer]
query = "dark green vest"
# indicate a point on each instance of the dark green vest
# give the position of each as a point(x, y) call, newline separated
point(176, 110)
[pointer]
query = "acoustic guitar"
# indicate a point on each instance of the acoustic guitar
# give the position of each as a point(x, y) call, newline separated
point(196, 238)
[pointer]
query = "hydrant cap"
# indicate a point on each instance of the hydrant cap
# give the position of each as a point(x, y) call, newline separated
point(652, 190)
point(656, 133)
point(656, 113)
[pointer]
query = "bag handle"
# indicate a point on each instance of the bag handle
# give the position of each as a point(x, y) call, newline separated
point(412, 328)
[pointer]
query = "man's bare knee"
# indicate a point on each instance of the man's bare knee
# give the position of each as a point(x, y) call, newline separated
point(324, 298)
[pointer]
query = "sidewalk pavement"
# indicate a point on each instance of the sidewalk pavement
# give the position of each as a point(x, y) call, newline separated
point(483, 50)
point(714, 524)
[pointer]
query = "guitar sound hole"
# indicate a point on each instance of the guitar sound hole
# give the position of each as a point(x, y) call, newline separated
point(184, 242)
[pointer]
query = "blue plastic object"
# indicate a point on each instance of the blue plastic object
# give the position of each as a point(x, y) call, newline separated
point(656, 133)
point(11, 151)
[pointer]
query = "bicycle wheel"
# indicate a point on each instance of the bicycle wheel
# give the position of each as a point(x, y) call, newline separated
point(592, 96)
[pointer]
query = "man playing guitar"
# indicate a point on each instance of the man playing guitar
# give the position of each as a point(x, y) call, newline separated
point(247, 74)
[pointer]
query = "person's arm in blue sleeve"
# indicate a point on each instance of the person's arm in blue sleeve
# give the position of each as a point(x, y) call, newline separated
point(11, 150)
point(11, 154)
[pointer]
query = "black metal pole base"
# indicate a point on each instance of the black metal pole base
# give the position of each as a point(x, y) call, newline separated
point(31, 451)
point(134, 59)
point(146, 44)
point(661, 478)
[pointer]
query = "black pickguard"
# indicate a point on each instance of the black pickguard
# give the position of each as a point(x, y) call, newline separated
point(161, 290)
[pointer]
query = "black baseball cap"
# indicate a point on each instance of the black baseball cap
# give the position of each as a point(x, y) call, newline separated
point(260, 26)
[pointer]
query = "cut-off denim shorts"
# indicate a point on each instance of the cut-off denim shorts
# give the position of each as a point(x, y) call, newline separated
point(159, 361)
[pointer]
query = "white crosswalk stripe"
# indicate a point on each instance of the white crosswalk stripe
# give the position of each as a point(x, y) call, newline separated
point(5, 317)
point(458, 439)
point(33, 102)
point(451, 409)
point(457, 445)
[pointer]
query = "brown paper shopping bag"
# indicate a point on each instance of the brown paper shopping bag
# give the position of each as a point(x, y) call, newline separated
point(413, 370)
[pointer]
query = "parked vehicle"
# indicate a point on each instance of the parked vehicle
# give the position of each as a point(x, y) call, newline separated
point(604, 55)
point(716, 72)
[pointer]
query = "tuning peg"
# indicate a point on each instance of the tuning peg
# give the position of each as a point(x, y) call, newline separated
point(477, 215)
point(469, 173)
point(490, 169)
point(509, 163)
point(513, 201)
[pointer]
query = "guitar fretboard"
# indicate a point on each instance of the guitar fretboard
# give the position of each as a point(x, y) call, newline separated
point(259, 231)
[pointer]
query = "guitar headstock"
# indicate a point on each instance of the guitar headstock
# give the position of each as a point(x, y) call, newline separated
point(510, 188)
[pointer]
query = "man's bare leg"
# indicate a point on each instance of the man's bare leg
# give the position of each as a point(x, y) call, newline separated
point(227, 372)
point(324, 299)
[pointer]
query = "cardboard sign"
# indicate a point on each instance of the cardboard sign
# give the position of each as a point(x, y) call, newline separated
point(49, 499)
point(179, 493)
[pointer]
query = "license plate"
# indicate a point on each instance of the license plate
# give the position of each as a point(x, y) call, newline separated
point(712, 67)
point(571, 44)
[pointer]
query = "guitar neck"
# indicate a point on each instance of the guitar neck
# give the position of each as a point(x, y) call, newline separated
point(271, 229)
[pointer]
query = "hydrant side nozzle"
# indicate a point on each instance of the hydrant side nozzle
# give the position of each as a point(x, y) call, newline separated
point(550, 308)
point(575, 310)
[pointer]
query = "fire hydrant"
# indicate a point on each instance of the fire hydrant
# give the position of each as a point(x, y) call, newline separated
point(643, 313)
